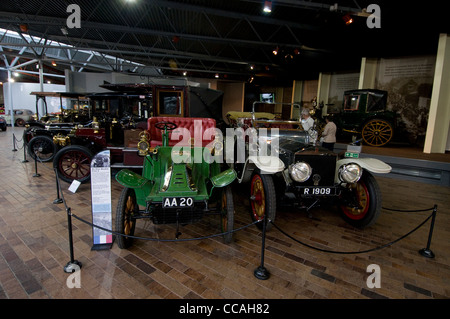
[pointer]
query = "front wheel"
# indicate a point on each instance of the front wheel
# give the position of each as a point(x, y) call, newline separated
point(73, 163)
point(127, 208)
point(227, 214)
point(361, 202)
point(41, 148)
point(262, 199)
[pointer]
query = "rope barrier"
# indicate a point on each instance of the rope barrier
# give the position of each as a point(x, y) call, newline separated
point(164, 240)
point(355, 252)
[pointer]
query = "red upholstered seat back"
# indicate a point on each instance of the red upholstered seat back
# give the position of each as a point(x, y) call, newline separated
point(195, 126)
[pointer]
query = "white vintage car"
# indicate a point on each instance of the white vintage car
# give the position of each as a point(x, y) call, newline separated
point(305, 175)
point(21, 116)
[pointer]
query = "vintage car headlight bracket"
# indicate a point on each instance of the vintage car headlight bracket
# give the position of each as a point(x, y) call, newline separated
point(350, 173)
point(300, 171)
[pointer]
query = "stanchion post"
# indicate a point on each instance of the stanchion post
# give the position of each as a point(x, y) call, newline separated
point(14, 143)
point(73, 265)
point(24, 153)
point(426, 252)
point(58, 199)
point(261, 272)
point(36, 174)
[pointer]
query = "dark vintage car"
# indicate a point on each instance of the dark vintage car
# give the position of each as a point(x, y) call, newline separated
point(39, 132)
point(2, 123)
point(364, 113)
point(122, 117)
point(297, 172)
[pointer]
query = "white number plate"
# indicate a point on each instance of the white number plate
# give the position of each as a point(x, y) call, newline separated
point(170, 202)
point(319, 191)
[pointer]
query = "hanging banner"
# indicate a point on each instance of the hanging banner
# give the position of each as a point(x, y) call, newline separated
point(101, 200)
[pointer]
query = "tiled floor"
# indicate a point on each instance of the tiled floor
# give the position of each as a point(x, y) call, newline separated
point(34, 248)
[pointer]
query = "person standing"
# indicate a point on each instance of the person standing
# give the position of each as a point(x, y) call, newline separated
point(329, 134)
point(308, 125)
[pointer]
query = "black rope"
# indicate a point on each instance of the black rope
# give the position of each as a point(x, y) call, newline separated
point(408, 211)
point(353, 252)
point(159, 239)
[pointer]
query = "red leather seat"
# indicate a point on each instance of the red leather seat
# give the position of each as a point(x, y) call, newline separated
point(187, 128)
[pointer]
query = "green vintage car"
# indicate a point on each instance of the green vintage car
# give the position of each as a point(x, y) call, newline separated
point(181, 179)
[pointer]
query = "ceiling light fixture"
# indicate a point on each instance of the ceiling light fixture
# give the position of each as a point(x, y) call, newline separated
point(347, 19)
point(267, 6)
point(275, 51)
point(217, 75)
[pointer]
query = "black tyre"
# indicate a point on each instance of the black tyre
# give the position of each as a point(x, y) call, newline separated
point(42, 148)
point(262, 198)
point(127, 208)
point(227, 214)
point(361, 205)
point(20, 122)
point(73, 163)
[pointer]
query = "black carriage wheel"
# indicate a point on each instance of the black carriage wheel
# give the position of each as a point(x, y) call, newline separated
point(227, 214)
point(73, 163)
point(125, 223)
point(377, 132)
point(42, 148)
point(364, 206)
point(262, 198)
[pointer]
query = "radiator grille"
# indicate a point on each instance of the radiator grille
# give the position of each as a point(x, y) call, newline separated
point(323, 166)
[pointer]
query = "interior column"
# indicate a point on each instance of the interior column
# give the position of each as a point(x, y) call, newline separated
point(439, 116)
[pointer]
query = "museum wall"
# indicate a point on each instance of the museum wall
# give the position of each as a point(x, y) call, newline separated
point(409, 83)
point(22, 99)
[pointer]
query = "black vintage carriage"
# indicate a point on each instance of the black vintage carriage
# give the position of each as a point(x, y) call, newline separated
point(364, 113)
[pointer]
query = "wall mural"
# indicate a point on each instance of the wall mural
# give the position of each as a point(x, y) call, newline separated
point(409, 83)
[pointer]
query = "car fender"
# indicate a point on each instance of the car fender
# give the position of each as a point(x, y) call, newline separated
point(130, 179)
point(267, 164)
point(224, 178)
point(371, 164)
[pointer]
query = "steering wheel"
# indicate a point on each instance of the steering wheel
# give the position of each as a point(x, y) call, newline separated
point(164, 125)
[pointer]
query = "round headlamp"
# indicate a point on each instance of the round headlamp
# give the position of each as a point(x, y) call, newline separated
point(350, 173)
point(300, 171)
point(143, 147)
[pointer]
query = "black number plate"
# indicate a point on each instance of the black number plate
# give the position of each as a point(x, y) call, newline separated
point(318, 191)
point(176, 202)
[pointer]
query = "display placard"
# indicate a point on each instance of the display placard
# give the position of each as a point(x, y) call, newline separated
point(101, 200)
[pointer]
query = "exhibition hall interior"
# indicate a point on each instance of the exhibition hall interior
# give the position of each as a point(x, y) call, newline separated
point(229, 157)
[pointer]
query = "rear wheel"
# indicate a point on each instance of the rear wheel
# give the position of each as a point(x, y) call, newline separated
point(42, 148)
point(20, 122)
point(377, 132)
point(262, 198)
point(127, 208)
point(227, 214)
point(361, 205)
point(73, 163)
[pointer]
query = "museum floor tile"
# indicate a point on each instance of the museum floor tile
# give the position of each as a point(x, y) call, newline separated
point(34, 247)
